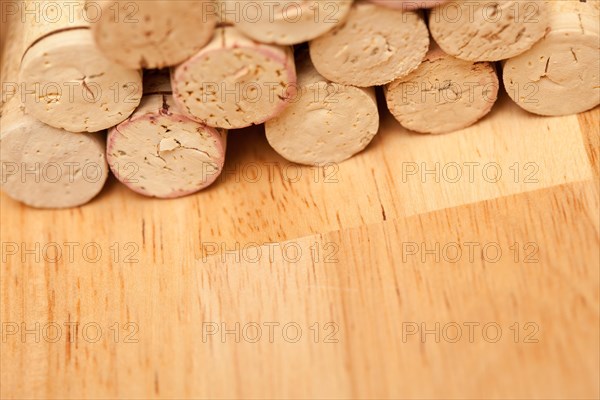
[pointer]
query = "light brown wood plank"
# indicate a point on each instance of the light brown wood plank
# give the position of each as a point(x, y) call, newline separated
point(368, 292)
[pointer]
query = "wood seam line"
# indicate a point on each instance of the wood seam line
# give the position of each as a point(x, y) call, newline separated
point(578, 185)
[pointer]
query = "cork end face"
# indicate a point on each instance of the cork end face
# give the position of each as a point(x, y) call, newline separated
point(165, 155)
point(86, 93)
point(374, 46)
point(559, 76)
point(335, 121)
point(236, 86)
point(288, 22)
point(46, 167)
point(488, 31)
point(153, 34)
point(443, 95)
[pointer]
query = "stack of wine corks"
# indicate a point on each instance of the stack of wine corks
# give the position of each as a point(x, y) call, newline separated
point(86, 96)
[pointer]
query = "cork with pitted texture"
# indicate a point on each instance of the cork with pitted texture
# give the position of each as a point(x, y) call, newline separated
point(159, 152)
point(560, 75)
point(153, 34)
point(326, 123)
point(235, 82)
point(373, 46)
point(67, 81)
point(43, 166)
point(488, 30)
point(444, 94)
point(285, 22)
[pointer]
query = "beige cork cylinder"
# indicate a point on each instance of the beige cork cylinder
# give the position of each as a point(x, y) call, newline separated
point(409, 4)
point(560, 75)
point(326, 123)
point(488, 30)
point(43, 166)
point(374, 46)
point(444, 94)
point(235, 82)
point(159, 152)
point(152, 34)
point(67, 82)
point(285, 22)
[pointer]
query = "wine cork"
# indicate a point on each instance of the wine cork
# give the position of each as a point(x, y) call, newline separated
point(409, 4)
point(46, 167)
point(153, 34)
point(159, 152)
point(374, 46)
point(43, 166)
point(488, 30)
point(235, 82)
point(444, 94)
point(285, 22)
point(67, 82)
point(326, 123)
point(560, 74)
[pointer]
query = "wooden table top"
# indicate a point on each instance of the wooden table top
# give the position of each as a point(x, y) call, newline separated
point(455, 266)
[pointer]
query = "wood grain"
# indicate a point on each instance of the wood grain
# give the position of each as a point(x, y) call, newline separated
point(335, 247)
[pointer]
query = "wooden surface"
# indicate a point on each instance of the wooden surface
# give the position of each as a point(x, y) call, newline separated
point(336, 258)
